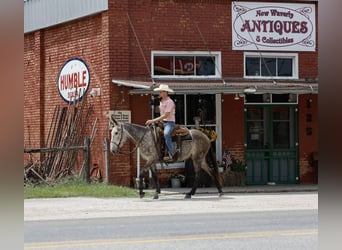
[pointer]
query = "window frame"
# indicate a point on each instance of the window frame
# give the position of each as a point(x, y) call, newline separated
point(215, 54)
point(293, 56)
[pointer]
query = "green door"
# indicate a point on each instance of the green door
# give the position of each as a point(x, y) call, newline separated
point(271, 144)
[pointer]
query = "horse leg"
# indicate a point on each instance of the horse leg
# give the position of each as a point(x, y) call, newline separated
point(196, 181)
point(194, 187)
point(141, 187)
point(218, 183)
point(214, 171)
point(217, 178)
point(148, 166)
point(202, 165)
point(156, 182)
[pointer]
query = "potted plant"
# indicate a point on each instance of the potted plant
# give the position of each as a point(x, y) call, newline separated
point(239, 167)
point(221, 166)
point(177, 180)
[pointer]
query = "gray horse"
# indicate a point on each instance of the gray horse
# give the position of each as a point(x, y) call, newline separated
point(144, 137)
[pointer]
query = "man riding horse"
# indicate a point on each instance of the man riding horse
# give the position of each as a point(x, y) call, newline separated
point(167, 117)
point(144, 137)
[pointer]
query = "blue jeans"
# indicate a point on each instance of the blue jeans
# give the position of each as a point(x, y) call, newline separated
point(168, 128)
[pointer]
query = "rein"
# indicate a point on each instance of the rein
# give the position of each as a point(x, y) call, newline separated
point(136, 146)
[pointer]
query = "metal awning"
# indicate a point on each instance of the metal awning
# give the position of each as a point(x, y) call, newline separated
point(227, 86)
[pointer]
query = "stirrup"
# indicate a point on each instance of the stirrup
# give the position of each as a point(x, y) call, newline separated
point(168, 159)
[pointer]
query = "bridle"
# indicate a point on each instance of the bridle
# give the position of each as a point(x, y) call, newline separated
point(121, 137)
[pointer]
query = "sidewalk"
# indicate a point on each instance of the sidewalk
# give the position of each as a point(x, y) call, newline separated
point(245, 189)
point(171, 201)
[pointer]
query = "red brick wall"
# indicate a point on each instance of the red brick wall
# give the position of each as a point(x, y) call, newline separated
point(307, 143)
point(180, 26)
point(233, 126)
point(45, 53)
point(32, 86)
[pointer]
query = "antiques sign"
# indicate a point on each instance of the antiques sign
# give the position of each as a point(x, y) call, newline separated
point(273, 26)
point(120, 116)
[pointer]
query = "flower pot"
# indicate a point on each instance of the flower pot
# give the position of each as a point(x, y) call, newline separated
point(175, 183)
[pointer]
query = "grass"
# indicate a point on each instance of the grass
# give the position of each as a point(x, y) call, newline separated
point(75, 188)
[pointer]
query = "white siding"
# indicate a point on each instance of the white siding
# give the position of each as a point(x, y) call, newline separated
point(39, 14)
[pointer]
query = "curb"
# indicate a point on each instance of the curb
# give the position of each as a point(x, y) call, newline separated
point(244, 189)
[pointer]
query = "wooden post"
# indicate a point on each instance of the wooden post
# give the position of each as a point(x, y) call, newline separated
point(87, 159)
point(105, 149)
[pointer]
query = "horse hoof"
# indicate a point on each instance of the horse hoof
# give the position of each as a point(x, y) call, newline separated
point(221, 194)
point(142, 195)
point(156, 196)
point(187, 196)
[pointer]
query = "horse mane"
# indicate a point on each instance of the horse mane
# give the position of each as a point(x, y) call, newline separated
point(130, 132)
point(134, 125)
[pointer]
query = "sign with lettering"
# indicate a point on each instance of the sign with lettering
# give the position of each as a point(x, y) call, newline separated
point(73, 80)
point(120, 116)
point(273, 26)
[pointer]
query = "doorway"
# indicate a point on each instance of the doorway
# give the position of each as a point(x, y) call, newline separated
point(271, 133)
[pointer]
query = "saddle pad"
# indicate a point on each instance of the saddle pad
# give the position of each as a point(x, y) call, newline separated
point(183, 137)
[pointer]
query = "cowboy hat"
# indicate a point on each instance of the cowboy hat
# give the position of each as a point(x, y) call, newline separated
point(163, 87)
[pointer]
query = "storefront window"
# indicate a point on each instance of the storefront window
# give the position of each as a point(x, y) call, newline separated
point(198, 107)
point(285, 67)
point(186, 64)
point(205, 66)
point(281, 128)
point(270, 127)
point(255, 128)
point(201, 107)
point(270, 65)
point(252, 66)
point(163, 65)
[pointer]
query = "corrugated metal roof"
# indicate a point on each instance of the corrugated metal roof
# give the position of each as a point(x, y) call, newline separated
point(40, 14)
point(229, 86)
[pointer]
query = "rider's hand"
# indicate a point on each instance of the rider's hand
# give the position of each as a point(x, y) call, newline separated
point(148, 122)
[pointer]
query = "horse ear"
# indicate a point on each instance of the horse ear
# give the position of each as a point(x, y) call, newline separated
point(113, 120)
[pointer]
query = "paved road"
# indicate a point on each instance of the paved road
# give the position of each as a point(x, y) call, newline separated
point(235, 221)
point(239, 230)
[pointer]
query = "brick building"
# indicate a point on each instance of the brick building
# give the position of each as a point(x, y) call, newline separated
point(247, 70)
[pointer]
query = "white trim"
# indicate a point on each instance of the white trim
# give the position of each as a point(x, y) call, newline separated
point(128, 84)
point(218, 104)
point(216, 54)
point(293, 56)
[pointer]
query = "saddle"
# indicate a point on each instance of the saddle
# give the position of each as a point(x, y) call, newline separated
point(178, 135)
